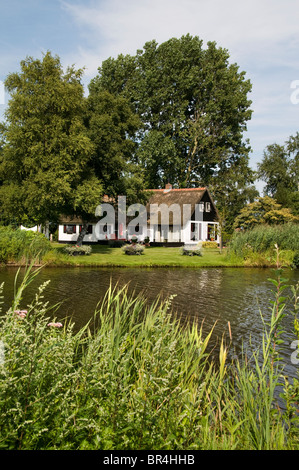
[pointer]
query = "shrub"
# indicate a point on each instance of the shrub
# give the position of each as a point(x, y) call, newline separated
point(296, 260)
point(18, 245)
point(75, 250)
point(190, 251)
point(116, 243)
point(211, 245)
point(133, 249)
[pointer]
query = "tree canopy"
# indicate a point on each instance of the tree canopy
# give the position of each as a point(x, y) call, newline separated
point(46, 151)
point(280, 171)
point(112, 126)
point(60, 151)
point(193, 107)
point(265, 210)
point(175, 112)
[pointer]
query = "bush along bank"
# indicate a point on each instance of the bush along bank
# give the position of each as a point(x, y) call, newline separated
point(21, 246)
point(137, 379)
point(256, 246)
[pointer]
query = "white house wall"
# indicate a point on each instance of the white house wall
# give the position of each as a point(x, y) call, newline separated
point(154, 234)
point(186, 232)
point(72, 238)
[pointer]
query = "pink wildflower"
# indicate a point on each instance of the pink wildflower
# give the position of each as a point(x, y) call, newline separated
point(56, 325)
point(21, 313)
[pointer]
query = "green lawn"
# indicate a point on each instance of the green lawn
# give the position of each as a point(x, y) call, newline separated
point(152, 256)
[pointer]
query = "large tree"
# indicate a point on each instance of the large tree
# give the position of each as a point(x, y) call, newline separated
point(279, 169)
point(112, 126)
point(193, 106)
point(45, 160)
point(63, 151)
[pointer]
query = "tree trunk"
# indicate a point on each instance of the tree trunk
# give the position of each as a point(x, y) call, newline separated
point(46, 230)
point(82, 234)
point(220, 240)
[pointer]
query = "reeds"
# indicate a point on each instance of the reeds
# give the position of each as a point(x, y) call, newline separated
point(21, 246)
point(135, 378)
point(256, 245)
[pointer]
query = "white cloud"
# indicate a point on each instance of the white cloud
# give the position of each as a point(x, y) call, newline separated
point(256, 29)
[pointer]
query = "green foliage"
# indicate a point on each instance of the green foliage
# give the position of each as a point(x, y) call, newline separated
point(112, 126)
point(280, 170)
point(295, 290)
point(136, 379)
point(18, 245)
point(264, 237)
point(264, 211)
point(296, 259)
point(134, 249)
point(193, 108)
point(232, 193)
point(116, 243)
point(46, 153)
point(77, 250)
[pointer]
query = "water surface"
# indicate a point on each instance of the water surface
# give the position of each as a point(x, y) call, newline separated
point(214, 297)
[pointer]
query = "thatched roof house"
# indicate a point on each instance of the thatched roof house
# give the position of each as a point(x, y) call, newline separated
point(190, 214)
point(184, 216)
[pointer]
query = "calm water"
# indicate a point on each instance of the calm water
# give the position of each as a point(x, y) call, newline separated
point(210, 295)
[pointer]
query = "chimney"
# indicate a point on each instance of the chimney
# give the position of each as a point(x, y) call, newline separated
point(168, 186)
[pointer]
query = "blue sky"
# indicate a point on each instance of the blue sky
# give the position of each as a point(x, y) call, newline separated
point(262, 37)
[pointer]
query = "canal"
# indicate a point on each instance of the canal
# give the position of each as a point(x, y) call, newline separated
point(232, 300)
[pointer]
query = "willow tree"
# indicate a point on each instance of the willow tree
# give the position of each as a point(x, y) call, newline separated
point(193, 106)
point(45, 160)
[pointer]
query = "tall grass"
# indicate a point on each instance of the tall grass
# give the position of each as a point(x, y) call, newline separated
point(135, 378)
point(256, 245)
point(18, 245)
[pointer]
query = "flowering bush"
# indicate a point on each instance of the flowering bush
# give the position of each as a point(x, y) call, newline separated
point(190, 251)
point(77, 250)
point(133, 249)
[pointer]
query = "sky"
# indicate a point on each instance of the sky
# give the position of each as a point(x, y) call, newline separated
point(261, 36)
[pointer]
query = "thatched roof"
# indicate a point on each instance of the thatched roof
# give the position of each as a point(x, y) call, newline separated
point(168, 196)
point(181, 197)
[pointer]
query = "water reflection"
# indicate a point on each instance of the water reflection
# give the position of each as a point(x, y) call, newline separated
point(221, 296)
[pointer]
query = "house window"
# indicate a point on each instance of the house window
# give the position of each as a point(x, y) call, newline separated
point(208, 207)
point(69, 229)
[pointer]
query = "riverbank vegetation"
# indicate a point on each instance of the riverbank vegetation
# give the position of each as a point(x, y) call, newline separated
point(136, 378)
point(247, 248)
point(20, 246)
point(256, 246)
